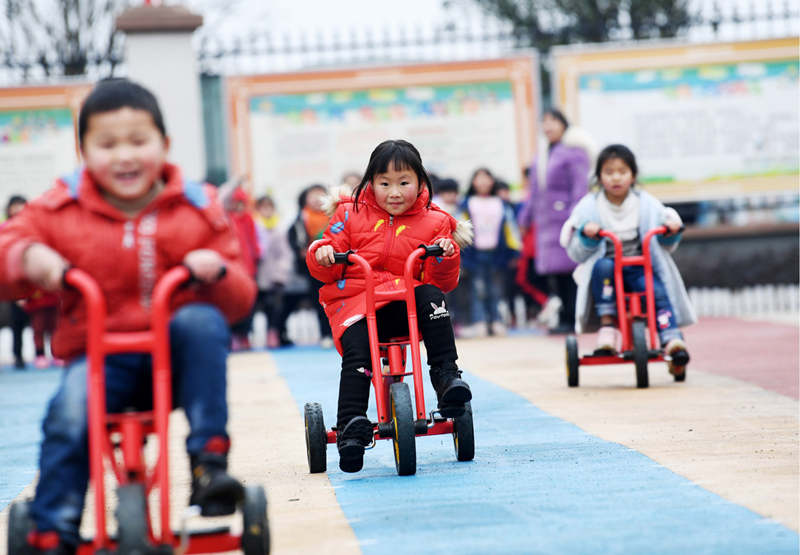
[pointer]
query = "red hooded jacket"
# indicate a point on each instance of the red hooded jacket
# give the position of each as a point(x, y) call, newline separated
point(125, 255)
point(385, 242)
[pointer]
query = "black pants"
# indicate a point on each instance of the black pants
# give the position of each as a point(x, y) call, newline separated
point(270, 302)
point(436, 331)
point(564, 287)
point(19, 319)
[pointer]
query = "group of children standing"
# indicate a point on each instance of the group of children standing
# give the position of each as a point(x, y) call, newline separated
point(129, 216)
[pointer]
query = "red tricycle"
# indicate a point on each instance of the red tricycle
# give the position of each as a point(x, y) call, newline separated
point(397, 418)
point(638, 329)
point(119, 439)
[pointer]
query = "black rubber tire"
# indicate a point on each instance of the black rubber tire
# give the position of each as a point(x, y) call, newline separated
point(640, 353)
point(316, 439)
point(19, 524)
point(680, 377)
point(464, 435)
point(255, 530)
point(573, 361)
point(132, 521)
point(403, 436)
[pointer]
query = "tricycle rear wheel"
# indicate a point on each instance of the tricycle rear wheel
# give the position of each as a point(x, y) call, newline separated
point(573, 361)
point(403, 436)
point(19, 525)
point(464, 435)
point(640, 353)
point(316, 438)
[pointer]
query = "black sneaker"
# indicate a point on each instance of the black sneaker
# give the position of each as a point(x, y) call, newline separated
point(351, 441)
point(451, 391)
point(213, 489)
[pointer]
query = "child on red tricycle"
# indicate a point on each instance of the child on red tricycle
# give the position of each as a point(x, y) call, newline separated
point(126, 219)
point(388, 217)
point(627, 218)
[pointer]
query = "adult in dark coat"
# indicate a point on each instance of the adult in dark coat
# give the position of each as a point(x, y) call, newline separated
point(558, 179)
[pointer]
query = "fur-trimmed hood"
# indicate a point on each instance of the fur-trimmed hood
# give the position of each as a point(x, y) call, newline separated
point(463, 233)
point(574, 137)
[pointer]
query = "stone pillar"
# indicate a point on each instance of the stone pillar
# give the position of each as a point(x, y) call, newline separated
point(159, 55)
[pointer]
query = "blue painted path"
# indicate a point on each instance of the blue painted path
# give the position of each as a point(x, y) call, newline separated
point(538, 484)
point(23, 399)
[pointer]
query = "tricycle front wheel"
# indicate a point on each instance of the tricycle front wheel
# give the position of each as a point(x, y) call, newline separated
point(403, 435)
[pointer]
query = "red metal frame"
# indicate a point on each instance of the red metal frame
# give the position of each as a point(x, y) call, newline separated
point(395, 349)
point(128, 463)
point(629, 304)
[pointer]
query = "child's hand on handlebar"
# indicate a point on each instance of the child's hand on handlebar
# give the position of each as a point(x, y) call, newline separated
point(673, 227)
point(43, 266)
point(205, 265)
point(447, 246)
point(324, 256)
point(591, 229)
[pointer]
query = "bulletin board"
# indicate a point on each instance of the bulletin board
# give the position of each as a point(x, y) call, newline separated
point(38, 136)
point(705, 120)
point(291, 130)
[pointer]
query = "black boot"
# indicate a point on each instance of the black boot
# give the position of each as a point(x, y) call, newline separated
point(213, 489)
point(451, 391)
point(351, 441)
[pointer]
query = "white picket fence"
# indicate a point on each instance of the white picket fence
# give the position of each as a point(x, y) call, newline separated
point(747, 301)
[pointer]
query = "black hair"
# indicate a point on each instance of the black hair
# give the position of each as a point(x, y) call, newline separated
point(265, 199)
point(402, 155)
point(500, 185)
point(616, 151)
point(445, 185)
point(487, 171)
point(301, 199)
point(557, 114)
point(12, 200)
point(112, 94)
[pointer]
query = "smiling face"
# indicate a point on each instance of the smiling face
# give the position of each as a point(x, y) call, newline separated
point(396, 190)
point(125, 153)
point(617, 178)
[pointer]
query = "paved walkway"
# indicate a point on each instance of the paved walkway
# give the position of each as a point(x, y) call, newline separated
point(710, 465)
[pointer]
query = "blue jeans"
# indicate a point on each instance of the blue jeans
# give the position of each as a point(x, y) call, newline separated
point(484, 288)
point(199, 339)
point(605, 299)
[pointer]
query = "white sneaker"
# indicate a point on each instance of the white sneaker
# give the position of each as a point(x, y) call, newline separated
point(609, 338)
point(326, 342)
point(498, 329)
point(478, 329)
point(548, 316)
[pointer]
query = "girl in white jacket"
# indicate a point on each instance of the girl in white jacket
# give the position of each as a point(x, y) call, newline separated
point(630, 213)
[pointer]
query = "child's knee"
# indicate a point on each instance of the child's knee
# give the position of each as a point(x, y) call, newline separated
point(67, 415)
point(199, 320)
point(603, 268)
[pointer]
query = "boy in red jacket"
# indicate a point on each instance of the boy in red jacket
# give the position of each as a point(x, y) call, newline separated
point(126, 219)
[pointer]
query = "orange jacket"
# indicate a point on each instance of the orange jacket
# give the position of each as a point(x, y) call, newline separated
point(126, 256)
point(385, 242)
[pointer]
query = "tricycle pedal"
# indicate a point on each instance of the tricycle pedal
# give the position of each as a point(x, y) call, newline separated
point(420, 427)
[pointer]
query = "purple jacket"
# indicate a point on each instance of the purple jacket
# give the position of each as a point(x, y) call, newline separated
point(548, 208)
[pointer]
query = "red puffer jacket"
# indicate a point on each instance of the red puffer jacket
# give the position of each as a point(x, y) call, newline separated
point(385, 242)
point(126, 256)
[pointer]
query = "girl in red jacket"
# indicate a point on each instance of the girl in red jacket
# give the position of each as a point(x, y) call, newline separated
point(388, 216)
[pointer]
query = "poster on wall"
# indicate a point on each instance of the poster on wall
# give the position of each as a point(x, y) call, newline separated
point(38, 140)
point(705, 121)
point(312, 129)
